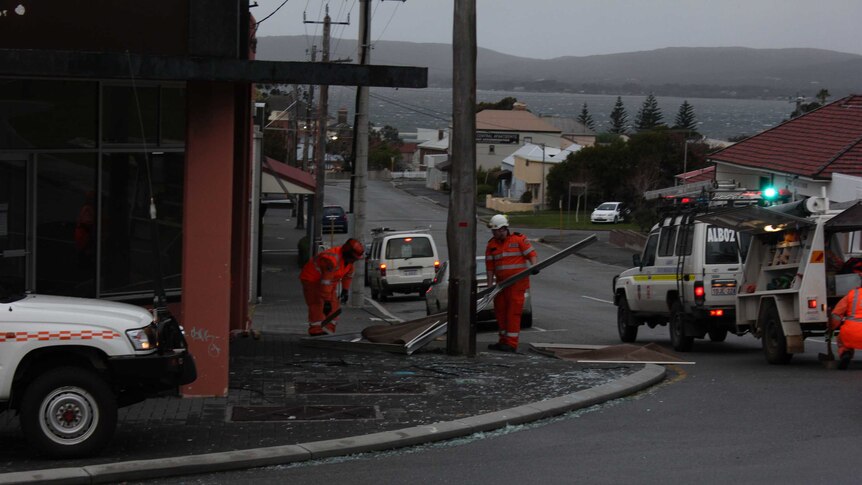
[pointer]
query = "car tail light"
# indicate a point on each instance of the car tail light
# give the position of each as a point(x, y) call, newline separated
point(382, 269)
point(699, 292)
point(436, 266)
point(812, 303)
point(716, 313)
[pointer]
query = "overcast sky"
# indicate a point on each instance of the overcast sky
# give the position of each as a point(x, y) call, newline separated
point(545, 29)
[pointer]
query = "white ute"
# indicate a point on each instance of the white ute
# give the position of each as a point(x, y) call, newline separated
point(67, 364)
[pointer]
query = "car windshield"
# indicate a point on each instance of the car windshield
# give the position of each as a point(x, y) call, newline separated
point(607, 206)
point(7, 296)
point(409, 247)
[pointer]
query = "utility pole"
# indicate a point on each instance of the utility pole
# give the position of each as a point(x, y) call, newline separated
point(320, 148)
point(303, 199)
point(359, 182)
point(461, 229)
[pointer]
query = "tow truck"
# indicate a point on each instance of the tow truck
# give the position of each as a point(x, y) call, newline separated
point(801, 260)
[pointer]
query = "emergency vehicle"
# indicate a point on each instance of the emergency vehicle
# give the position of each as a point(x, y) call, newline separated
point(803, 257)
point(67, 364)
point(687, 276)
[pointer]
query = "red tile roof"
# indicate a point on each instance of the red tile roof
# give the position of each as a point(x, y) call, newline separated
point(816, 144)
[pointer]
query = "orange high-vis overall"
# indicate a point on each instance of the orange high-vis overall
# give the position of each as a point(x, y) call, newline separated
point(847, 316)
point(320, 277)
point(504, 259)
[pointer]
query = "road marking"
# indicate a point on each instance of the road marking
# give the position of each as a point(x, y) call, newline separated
point(597, 299)
point(539, 329)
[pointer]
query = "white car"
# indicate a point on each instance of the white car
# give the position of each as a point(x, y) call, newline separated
point(437, 296)
point(400, 262)
point(613, 212)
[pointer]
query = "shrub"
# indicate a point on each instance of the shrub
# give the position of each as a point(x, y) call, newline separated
point(527, 197)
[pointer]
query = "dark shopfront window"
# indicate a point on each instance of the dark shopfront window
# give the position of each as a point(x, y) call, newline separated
point(37, 114)
point(127, 255)
point(66, 232)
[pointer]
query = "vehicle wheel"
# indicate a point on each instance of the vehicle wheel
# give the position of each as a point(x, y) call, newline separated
point(527, 320)
point(384, 295)
point(626, 325)
point(718, 335)
point(773, 340)
point(678, 339)
point(68, 412)
point(616, 219)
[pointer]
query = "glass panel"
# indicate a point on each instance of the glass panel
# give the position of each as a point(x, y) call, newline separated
point(126, 111)
point(668, 236)
point(173, 116)
point(48, 114)
point(411, 247)
point(127, 253)
point(648, 258)
point(66, 225)
point(683, 243)
point(722, 246)
point(13, 226)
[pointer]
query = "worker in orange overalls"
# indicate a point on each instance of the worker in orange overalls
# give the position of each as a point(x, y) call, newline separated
point(320, 277)
point(507, 254)
point(847, 318)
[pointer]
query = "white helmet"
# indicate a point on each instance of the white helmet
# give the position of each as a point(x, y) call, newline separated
point(498, 221)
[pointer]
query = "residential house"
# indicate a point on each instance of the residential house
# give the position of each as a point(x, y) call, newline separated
point(572, 130)
point(816, 153)
point(499, 133)
point(529, 168)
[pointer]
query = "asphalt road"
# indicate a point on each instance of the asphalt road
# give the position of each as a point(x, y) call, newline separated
point(729, 418)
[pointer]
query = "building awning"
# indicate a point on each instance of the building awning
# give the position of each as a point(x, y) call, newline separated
point(295, 181)
point(112, 65)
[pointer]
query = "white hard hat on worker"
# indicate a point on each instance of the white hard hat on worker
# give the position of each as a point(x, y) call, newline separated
point(499, 221)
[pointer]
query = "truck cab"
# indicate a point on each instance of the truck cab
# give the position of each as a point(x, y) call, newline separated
point(67, 364)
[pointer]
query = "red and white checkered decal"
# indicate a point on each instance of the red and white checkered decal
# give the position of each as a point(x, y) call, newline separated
point(60, 335)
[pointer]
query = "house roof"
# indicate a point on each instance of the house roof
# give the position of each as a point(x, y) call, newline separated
point(816, 144)
point(569, 126)
point(512, 120)
point(534, 153)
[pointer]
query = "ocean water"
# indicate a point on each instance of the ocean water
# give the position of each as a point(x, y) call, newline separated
point(409, 109)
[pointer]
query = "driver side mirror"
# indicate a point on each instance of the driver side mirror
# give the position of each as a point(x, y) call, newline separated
point(636, 260)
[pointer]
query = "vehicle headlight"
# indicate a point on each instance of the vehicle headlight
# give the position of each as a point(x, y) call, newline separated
point(143, 338)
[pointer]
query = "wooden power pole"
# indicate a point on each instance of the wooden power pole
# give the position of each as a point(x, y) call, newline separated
point(320, 148)
point(360, 153)
point(461, 229)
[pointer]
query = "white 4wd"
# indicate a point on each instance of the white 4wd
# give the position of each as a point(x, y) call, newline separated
point(67, 364)
point(687, 277)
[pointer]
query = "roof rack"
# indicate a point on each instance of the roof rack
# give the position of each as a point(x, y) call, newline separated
point(388, 230)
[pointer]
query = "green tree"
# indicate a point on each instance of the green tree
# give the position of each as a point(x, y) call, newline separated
point(649, 116)
point(506, 103)
point(586, 119)
point(390, 134)
point(822, 95)
point(619, 118)
point(685, 119)
point(382, 153)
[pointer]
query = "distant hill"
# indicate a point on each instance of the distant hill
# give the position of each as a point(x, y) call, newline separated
point(727, 72)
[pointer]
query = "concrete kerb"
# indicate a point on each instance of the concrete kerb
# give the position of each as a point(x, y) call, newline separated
point(279, 455)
